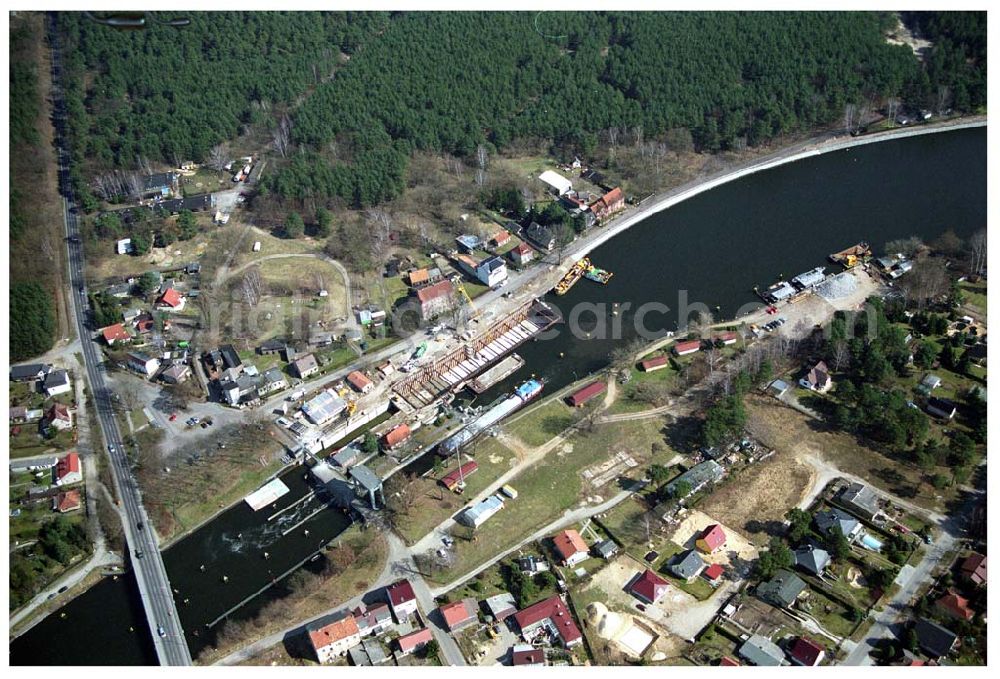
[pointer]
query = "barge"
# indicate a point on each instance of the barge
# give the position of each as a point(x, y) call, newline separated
point(500, 371)
point(496, 412)
point(852, 256)
point(575, 273)
point(597, 275)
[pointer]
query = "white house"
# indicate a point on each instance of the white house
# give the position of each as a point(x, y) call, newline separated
point(124, 246)
point(333, 635)
point(492, 271)
point(402, 599)
point(143, 364)
point(57, 382)
point(556, 182)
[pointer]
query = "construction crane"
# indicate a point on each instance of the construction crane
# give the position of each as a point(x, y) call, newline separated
point(461, 289)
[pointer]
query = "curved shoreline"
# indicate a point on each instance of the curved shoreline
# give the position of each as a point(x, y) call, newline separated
point(807, 149)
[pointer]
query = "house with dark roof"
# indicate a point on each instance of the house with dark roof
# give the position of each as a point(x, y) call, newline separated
point(812, 559)
point(29, 372)
point(501, 606)
point(806, 652)
point(782, 590)
point(56, 382)
point(541, 236)
point(606, 549)
point(941, 407)
point(367, 654)
point(818, 378)
point(548, 616)
point(402, 599)
point(712, 539)
point(859, 499)
point(373, 620)
point(526, 655)
point(271, 346)
point(935, 640)
point(761, 651)
point(648, 587)
point(697, 477)
point(688, 565)
point(974, 569)
point(829, 519)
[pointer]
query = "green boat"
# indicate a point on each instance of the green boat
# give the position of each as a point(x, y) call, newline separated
point(421, 350)
point(597, 275)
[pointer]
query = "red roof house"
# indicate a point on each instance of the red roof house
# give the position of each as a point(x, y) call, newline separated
point(806, 652)
point(522, 254)
point(397, 435)
point(115, 333)
point(955, 606)
point(359, 381)
point(500, 238)
point(974, 568)
point(172, 299)
point(728, 662)
point(711, 539)
point(414, 640)
point(648, 587)
point(68, 470)
point(550, 614)
point(581, 396)
point(608, 204)
point(570, 547)
point(713, 573)
point(458, 614)
point(689, 347)
point(66, 502)
point(727, 338)
point(655, 363)
point(402, 599)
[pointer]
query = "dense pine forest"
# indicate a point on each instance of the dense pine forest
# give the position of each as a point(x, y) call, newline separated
point(364, 90)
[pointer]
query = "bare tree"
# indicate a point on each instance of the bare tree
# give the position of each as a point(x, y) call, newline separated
point(129, 396)
point(943, 99)
point(850, 111)
point(250, 286)
point(841, 355)
point(892, 104)
point(908, 247)
point(283, 135)
point(217, 158)
point(977, 252)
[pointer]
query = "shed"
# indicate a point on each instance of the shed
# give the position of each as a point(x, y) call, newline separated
point(584, 394)
point(556, 182)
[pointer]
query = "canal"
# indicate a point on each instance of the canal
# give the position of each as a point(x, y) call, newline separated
point(716, 246)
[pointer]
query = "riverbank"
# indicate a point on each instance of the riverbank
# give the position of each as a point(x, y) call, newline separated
point(807, 149)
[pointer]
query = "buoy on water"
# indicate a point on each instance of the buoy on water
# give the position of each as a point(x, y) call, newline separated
point(131, 629)
point(187, 601)
point(561, 354)
point(267, 555)
point(202, 568)
point(225, 578)
point(306, 532)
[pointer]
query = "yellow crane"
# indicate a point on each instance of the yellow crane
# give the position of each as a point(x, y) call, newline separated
point(461, 289)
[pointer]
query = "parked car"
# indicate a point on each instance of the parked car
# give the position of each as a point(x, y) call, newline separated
point(173, 416)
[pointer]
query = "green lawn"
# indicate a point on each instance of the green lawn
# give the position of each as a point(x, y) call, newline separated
point(541, 424)
point(29, 443)
point(628, 399)
point(435, 504)
point(549, 488)
point(975, 296)
point(829, 613)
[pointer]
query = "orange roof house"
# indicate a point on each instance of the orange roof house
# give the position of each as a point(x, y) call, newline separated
point(956, 606)
point(360, 382)
point(66, 502)
point(570, 547)
point(115, 333)
point(419, 277)
point(397, 435)
point(172, 299)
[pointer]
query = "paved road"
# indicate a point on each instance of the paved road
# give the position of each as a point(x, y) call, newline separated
point(150, 573)
point(899, 606)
